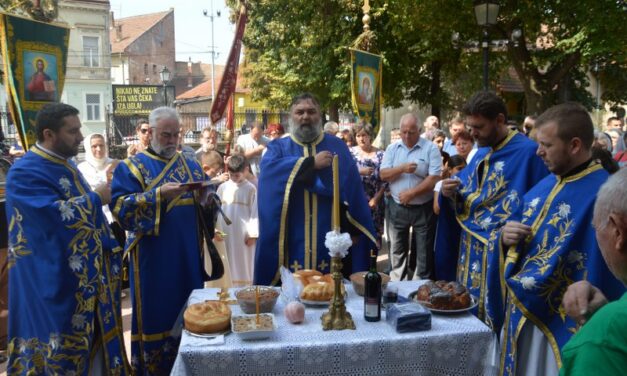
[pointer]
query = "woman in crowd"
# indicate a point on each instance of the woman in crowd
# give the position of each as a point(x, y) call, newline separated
point(451, 167)
point(347, 136)
point(603, 140)
point(621, 156)
point(275, 131)
point(97, 168)
point(438, 138)
point(368, 159)
point(463, 143)
point(142, 130)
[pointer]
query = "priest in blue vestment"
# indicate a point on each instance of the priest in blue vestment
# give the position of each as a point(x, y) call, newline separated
point(477, 202)
point(552, 244)
point(163, 241)
point(64, 263)
point(295, 199)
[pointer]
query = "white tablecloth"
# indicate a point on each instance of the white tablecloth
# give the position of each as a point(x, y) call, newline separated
point(455, 345)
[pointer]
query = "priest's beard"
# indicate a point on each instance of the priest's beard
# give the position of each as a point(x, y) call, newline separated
point(306, 132)
point(166, 152)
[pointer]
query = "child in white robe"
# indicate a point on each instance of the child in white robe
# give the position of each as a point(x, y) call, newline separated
point(239, 203)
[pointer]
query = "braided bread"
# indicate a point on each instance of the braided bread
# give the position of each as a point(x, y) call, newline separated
point(210, 316)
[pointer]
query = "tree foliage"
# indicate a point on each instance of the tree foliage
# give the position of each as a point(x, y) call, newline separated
point(292, 46)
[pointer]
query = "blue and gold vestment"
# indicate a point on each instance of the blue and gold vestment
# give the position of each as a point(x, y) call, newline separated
point(64, 272)
point(563, 250)
point(164, 248)
point(295, 214)
point(492, 187)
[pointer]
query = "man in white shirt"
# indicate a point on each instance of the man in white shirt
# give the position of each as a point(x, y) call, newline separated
point(412, 167)
point(253, 143)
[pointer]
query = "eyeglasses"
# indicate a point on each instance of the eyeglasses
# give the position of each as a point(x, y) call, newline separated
point(144, 130)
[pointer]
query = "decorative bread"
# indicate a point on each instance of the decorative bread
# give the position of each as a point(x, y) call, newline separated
point(207, 317)
point(303, 275)
point(327, 278)
point(319, 291)
point(443, 295)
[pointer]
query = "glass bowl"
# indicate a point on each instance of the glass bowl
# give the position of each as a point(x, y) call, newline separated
point(267, 299)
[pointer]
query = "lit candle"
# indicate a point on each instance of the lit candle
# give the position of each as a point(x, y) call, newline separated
point(336, 195)
point(257, 304)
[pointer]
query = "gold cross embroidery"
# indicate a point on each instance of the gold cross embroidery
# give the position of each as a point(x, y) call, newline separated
point(296, 266)
point(323, 265)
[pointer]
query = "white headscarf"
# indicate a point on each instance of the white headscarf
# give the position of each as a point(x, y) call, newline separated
point(98, 164)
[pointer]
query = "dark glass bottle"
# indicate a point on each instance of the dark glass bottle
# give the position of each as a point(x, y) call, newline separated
point(372, 291)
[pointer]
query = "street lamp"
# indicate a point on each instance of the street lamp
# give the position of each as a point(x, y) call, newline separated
point(165, 78)
point(213, 50)
point(486, 13)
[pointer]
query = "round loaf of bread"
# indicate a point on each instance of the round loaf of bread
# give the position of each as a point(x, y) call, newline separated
point(211, 316)
point(306, 273)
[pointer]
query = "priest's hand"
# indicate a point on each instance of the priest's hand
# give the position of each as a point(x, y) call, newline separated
point(582, 300)
point(104, 191)
point(449, 187)
point(513, 232)
point(171, 190)
point(323, 159)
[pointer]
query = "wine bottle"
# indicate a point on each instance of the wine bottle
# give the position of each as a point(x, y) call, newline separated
point(372, 291)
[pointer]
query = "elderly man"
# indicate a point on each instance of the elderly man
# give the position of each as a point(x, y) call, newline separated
point(600, 346)
point(142, 130)
point(64, 264)
point(208, 141)
point(158, 211)
point(412, 167)
point(331, 128)
point(296, 194)
point(456, 126)
point(253, 144)
point(551, 243)
point(475, 204)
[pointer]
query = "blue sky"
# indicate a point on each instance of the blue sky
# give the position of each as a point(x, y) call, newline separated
point(192, 28)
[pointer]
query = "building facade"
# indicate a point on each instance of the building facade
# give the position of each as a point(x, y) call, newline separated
point(88, 75)
point(140, 47)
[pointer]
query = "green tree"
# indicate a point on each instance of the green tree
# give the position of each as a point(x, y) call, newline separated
point(293, 46)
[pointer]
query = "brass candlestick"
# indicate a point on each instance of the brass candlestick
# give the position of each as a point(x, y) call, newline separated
point(337, 318)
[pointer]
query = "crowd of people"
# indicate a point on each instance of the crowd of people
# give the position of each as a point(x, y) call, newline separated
point(511, 213)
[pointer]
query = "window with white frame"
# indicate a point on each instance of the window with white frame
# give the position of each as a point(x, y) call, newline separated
point(91, 51)
point(92, 107)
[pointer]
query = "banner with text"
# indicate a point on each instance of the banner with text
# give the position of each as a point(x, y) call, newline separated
point(34, 55)
point(228, 84)
point(139, 100)
point(366, 77)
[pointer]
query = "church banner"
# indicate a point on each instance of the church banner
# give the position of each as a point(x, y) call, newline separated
point(228, 84)
point(366, 76)
point(34, 55)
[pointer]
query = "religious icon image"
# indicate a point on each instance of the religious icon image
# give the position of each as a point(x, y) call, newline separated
point(40, 75)
point(366, 89)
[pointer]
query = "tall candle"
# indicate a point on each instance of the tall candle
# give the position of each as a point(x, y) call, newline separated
point(336, 195)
